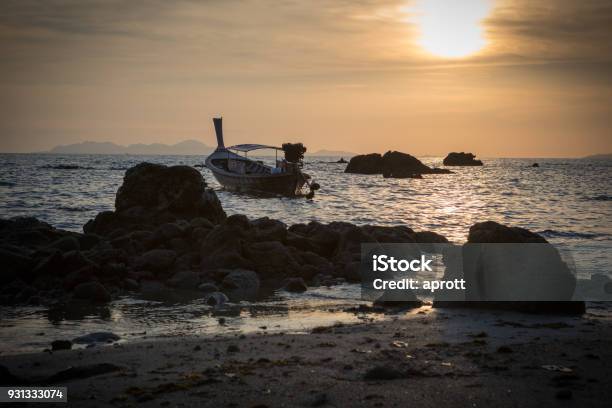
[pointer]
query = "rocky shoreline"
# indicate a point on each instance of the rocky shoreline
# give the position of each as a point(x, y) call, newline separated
point(169, 232)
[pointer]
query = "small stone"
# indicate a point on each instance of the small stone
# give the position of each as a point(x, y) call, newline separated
point(564, 394)
point(61, 345)
point(232, 348)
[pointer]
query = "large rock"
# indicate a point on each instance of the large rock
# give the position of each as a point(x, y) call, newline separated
point(241, 284)
point(91, 291)
point(513, 268)
point(154, 194)
point(391, 164)
point(365, 164)
point(156, 260)
point(461, 159)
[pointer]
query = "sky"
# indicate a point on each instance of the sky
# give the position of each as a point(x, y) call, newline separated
point(500, 78)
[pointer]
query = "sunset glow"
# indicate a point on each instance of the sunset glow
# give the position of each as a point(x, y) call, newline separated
point(452, 29)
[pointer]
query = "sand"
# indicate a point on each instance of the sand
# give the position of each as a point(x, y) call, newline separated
point(425, 357)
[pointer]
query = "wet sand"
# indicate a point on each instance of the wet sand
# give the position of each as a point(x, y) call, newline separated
point(425, 357)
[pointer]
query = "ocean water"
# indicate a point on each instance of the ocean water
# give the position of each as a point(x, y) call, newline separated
point(569, 201)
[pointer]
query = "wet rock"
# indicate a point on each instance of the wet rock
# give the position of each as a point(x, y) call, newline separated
point(461, 159)
point(392, 164)
point(383, 373)
point(216, 299)
point(496, 275)
point(232, 348)
point(564, 394)
point(91, 291)
point(342, 160)
point(535, 165)
point(429, 237)
point(80, 372)
point(402, 165)
point(208, 287)
point(13, 265)
point(365, 164)
point(154, 290)
point(167, 231)
point(295, 285)
point(131, 285)
point(493, 232)
point(271, 259)
point(154, 194)
point(267, 229)
point(185, 280)
point(88, 241)
point(96, 337)
point(156, 260)
point(61, 345)
point(241, 284)
point(66, 244)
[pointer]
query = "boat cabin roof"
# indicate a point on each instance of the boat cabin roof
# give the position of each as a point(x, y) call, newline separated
point(248, 147)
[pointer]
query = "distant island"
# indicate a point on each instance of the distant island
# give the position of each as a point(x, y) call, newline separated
point(599, 156)
point(187, 147)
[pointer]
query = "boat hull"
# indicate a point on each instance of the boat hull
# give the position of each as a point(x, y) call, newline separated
point(284, 184)
point(287, 184)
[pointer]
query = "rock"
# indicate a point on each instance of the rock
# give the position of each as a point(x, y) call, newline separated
point(314, 237)
point(365, 164)
point(535, 165)
point(185, 280)
point(13, 265)
point(92, 291)
point(493, 232)
point(154, 290)
point(81, 372)
point(564, 394)
point(295, 285)
point(66, 244)
point(383, 373)
point(391, 164)
point(241, 284)
point(461, 159)
point(88, 241)
point(271, 259)
point(402, 165)
point(96, 337)
point(156, 260)
point(267, 229)
point(522, 277)
point(342, 160)
point(208, 287)
point(131, 285)
point(216, 299)
point(232, 348)
point(167, 231)
point(154, 194)
point(61, 345)
point(429, 237)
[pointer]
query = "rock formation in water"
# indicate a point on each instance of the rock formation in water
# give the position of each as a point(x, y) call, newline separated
point(168, 236)
point(391, 165)
point(461, 159)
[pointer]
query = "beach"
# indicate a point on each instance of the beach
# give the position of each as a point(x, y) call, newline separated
point(423, 357)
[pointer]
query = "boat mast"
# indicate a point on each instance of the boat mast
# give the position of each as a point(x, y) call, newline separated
point(219, 132)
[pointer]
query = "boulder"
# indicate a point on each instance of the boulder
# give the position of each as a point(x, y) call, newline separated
point(96, 337)
point(185, 280)
point(216, 299)
point(61, 345)
point(271, 259)
point(365, 164)
point(154, 194)
point(529, 275)
point(295, 285)
point(392, 164)
point(461, 159)
point(241, 284)
point(267, 229)
point(156, 260)
point(91, 291)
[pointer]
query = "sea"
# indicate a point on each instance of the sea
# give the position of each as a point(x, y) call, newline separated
point(568, 201)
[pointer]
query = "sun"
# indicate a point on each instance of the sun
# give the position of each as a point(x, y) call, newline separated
point(451, 28)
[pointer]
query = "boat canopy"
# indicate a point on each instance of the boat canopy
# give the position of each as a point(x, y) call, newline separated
point(248, 147)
